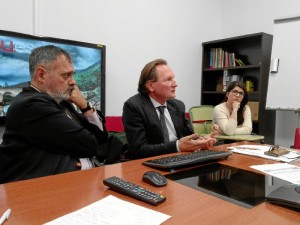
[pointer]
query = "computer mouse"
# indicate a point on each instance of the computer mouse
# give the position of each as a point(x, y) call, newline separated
point(154, 178)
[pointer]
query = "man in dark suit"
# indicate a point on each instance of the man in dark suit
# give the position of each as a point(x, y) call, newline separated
point(44, 133)
point(141, 116)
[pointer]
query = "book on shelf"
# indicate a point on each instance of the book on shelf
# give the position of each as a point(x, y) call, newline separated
point(211, 58)
point(232, 59)
point(219, 58)
point(226, 59)
point(216, 58)
point(239, 62)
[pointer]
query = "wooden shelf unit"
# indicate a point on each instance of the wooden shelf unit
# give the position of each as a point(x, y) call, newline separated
point(255, 51)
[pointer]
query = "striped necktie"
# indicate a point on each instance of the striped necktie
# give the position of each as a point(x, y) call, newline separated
point(161, 110)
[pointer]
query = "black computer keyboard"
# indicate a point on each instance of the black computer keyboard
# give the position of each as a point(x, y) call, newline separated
point(187, 159)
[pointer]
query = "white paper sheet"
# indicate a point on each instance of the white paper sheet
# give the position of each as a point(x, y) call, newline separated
point(259, 150)
point(283, 171)
point(111, 211)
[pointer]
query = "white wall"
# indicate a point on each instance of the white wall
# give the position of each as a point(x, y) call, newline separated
point(137, 31)
point(17, 15)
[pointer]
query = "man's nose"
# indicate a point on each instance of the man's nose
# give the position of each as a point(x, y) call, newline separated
point(72, 81)
point(175, 83)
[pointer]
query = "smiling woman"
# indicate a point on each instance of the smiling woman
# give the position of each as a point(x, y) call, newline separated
point(233, 116)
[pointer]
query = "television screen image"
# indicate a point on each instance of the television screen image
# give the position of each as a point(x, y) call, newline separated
point(15, 48)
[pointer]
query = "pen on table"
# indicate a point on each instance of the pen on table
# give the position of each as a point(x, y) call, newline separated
point(5, 216)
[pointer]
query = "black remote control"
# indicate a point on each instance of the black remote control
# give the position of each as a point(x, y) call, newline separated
point(133, 190)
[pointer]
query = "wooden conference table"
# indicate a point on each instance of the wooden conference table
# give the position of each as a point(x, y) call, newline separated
point(41, 200)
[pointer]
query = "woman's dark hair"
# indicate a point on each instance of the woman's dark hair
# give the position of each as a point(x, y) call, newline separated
point(149, 73)
point(240, 112)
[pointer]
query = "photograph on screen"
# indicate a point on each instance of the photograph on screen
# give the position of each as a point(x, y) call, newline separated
point(88, 60)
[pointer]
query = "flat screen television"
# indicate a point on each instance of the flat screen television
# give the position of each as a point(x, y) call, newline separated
point(15, 48)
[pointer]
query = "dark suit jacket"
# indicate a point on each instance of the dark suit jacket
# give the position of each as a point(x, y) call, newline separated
point(143, 129)
point(40, 139)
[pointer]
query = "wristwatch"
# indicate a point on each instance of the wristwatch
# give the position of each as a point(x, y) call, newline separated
point(87, 108)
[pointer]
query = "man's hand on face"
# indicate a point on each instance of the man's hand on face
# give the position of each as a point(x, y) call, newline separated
point(77, 97)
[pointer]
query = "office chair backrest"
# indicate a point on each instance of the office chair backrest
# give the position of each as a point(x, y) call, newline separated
point(201, 118)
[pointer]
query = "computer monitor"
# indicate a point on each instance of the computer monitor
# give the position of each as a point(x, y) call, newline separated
point(15, 48)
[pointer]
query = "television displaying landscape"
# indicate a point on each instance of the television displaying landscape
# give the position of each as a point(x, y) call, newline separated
point(88, 60)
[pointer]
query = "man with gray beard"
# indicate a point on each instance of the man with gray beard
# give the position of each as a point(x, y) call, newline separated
point(44, 134)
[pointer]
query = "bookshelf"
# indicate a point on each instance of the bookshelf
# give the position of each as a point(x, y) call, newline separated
point(254, 50)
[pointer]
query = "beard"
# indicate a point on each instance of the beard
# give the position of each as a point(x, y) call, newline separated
point(59, 96)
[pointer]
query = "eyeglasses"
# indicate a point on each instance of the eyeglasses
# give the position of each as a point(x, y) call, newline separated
point(237, 92)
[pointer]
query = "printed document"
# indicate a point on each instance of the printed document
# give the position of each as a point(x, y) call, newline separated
point(112, 211)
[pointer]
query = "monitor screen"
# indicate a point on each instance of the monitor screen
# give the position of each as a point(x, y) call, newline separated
point(15, 48)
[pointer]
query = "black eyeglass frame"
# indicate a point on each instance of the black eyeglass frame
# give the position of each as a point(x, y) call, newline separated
point(235, 92)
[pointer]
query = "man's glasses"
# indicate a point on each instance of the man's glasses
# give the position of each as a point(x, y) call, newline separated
point(237, 92)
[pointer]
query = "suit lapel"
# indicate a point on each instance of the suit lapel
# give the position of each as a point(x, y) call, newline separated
point(150, 110)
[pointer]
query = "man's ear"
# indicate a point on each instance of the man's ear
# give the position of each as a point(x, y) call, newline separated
point(40, 74)
point(149, 86)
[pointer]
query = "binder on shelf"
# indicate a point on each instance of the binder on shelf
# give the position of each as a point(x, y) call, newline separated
point(249, 85)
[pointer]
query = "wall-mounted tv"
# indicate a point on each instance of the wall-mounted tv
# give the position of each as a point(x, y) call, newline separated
point(15, 48)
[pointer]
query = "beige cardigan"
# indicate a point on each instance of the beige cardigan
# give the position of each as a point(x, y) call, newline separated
point(228, 125)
